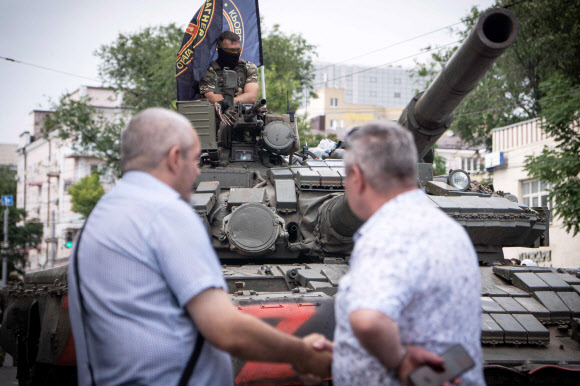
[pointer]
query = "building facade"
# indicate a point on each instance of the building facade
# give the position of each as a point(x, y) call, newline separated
point(331, 114)
point(8, 154)
point(459, 155)
point(365, 85)
point(512, 144)
point(47, 166)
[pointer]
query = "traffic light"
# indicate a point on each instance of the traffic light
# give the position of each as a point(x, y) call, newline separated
point(68, 239)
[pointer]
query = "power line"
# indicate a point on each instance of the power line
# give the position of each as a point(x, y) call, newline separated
point(49, 69)
point(515, 105)
point(392, 45)
point(385, 64)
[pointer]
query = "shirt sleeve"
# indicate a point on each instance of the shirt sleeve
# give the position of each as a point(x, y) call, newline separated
point(184, 253)
point(208, 81)
point(252, 73)
point(382, 279)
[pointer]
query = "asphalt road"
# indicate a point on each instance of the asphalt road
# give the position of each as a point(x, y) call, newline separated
point(8, 373)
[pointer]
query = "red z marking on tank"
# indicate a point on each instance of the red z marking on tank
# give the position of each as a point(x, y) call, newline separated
point(292, 317)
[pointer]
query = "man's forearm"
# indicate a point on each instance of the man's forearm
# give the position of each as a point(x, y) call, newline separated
point(250, 338)
point(379, 335)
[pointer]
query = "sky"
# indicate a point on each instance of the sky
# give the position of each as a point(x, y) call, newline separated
point(64, 34)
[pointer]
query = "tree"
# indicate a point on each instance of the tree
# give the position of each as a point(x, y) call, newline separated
point(22, 235)
point(141, 68)
point(288, 68)
point(90, 131)
point(548, 42)
point(85, 194)
point(560, 166)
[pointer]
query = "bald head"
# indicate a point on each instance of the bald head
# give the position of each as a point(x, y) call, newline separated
point(149, 137)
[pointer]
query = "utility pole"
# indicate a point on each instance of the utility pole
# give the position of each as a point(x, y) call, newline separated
point(7, 202)
point(5, 249)
point(52, 240)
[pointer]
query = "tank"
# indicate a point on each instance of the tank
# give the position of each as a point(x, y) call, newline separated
point(283, 231)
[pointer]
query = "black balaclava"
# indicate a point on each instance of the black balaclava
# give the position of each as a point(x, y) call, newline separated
point(227, 59)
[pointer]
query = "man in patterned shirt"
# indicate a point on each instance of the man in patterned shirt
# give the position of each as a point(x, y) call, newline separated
point(211, 84)
point(413, 288)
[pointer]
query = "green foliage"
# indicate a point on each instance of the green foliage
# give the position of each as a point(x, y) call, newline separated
point(439, 166)
point(89, 129)
point(548, 41)
point(85, 194)
point(288, 68)
point(7, 180)
point(22, 236)
point(306, 137)
point(142, 66)
point(560, 166)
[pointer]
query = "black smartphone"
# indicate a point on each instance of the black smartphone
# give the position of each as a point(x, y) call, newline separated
point(457, 361)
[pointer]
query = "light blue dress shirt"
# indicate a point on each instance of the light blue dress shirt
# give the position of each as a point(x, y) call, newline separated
point(143, 255)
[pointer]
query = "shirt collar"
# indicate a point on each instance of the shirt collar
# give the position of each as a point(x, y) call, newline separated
point(147, 181)
point(411, 196)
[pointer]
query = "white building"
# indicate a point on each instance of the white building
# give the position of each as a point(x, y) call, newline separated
point(365, 85)
point(459, 155)
point(516, 142)
point(47, 166)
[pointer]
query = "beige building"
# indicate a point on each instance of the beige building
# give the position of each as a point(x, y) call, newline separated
point(459, 155)
point(8, 154)
point(47, 166)
point(515, 142)
point(330, 114)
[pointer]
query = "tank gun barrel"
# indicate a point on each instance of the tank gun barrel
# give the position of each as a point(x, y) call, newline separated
point(430, 113)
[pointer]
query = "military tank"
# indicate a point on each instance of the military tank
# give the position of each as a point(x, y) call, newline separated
point(283, 230)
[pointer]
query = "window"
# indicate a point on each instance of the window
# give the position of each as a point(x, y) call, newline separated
point(535, 193)
point(333, 102)
point(94, 168)
point(333, 124)
point(397, 81)
point(397, 95)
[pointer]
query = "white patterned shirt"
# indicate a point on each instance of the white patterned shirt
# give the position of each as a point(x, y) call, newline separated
point(417, 266)
point(144, 253)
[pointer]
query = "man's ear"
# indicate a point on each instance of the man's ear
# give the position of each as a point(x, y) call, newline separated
point(174, 158)
point(357, 179)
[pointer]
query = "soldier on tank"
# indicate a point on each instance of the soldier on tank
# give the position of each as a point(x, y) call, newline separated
point(223, 90)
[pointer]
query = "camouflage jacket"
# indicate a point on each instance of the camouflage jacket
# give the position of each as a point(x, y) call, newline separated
point(209, 80)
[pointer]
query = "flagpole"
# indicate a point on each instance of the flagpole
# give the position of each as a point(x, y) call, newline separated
point(263, 83)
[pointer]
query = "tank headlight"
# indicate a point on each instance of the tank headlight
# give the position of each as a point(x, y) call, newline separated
point(459, 179)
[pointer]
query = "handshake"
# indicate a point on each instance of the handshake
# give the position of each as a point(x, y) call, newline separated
point(315, 365)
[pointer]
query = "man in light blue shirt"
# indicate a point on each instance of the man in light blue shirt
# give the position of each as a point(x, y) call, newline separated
point(150, 279)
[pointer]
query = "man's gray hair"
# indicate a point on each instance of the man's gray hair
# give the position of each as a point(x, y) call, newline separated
point(149, 137)
point(385, 153)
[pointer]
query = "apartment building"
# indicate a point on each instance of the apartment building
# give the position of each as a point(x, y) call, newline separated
point(46, 167)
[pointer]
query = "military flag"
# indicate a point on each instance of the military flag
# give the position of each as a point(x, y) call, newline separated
point(198, 47)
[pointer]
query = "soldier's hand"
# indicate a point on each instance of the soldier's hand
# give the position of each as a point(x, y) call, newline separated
point(224, 117)
point(315, 366)
point(224, 104)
